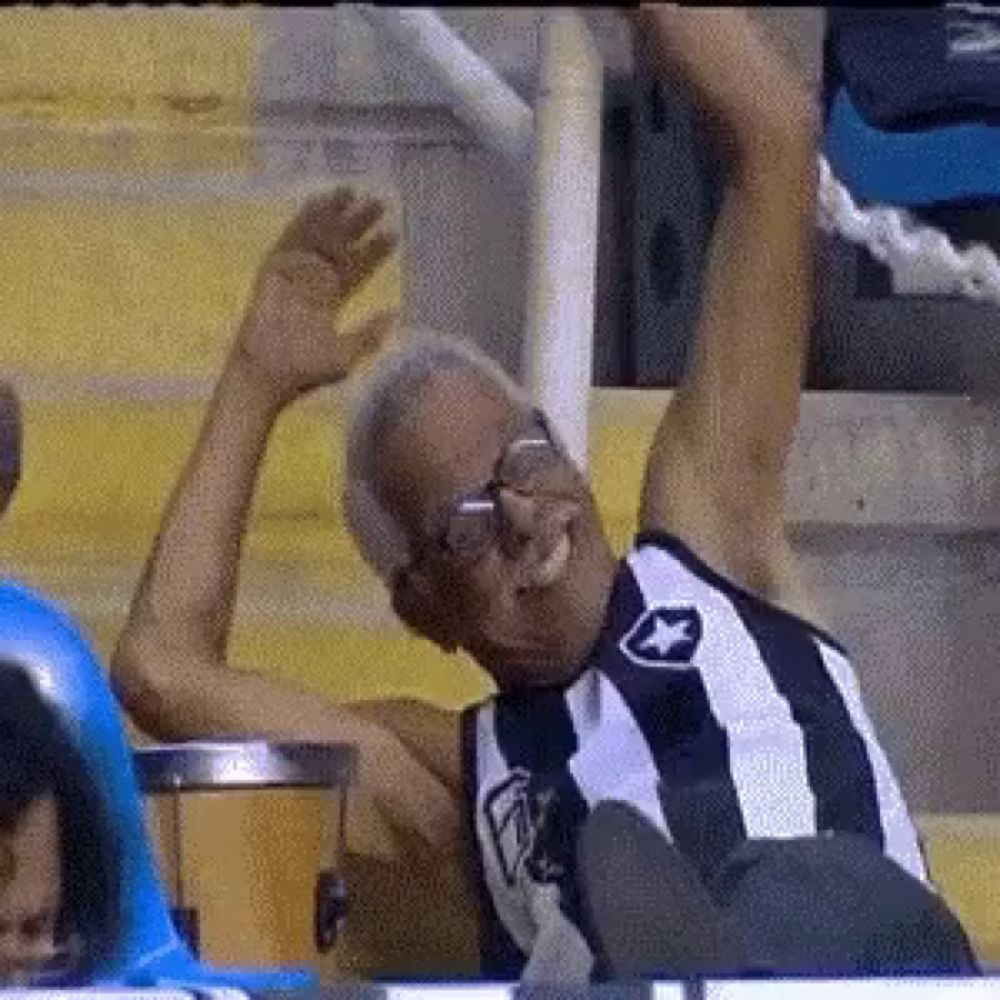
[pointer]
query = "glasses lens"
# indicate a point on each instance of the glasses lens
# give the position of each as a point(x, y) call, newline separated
point(471, 528)
point(528, 462)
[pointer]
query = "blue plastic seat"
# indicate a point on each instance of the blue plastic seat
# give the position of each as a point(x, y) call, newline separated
point(37, 633)
point(930, 166)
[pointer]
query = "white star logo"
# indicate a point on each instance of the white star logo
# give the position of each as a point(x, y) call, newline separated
point(664, 637)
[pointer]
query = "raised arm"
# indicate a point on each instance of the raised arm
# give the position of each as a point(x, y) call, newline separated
point(715, 475)
point(170, 666)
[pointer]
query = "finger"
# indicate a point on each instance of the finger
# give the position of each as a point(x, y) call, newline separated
point(328, 228)
point(361, 221)
point(333, 242)
point(321, 215)
point(368, 336)
point(329, 206)
point(364, 260)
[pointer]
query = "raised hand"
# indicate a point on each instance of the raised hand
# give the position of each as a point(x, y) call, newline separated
point(291, 335)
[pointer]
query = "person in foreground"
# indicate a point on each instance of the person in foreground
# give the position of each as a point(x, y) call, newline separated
point(687, 679)
point(59, 877)
point(59, 854)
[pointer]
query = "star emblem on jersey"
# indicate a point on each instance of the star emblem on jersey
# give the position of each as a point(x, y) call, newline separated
point(664, 638)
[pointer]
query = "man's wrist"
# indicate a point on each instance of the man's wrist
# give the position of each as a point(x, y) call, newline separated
point(738, 80)
point(254, 385)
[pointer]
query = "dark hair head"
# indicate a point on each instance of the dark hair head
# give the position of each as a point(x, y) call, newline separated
point(39, 757)
point(10, 443)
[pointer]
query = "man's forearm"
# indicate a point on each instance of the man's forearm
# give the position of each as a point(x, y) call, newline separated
point(749, 350)
point(719, 57)
point(189, 582)
point(732, 421)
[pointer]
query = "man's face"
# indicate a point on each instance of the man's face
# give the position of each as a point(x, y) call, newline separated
point(30, 891)
point(529, 603)
point(10, 444)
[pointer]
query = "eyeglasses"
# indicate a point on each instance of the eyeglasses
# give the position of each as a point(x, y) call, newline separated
point(473, 523)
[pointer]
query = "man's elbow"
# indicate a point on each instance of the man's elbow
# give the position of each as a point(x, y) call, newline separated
point(144, 682)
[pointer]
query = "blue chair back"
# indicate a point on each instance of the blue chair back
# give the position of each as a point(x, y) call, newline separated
point(37, 633)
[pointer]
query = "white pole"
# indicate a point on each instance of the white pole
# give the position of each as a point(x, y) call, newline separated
point(481, 98)
point(563, 251)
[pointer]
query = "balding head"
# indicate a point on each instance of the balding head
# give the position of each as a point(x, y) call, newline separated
point(433, 459)
point(387, 401)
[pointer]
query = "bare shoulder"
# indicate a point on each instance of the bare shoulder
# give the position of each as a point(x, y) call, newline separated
point(789, 587)
point(739, 533)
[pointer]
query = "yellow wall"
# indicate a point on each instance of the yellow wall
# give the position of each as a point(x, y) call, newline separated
point(136, 65)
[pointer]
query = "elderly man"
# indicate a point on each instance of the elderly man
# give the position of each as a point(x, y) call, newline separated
point(687, 679)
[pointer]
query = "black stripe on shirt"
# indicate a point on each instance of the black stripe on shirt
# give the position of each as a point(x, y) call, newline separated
point(690, 748)
point(837, 764)
point(535, 734)
point(839, 771)
point(500, 957)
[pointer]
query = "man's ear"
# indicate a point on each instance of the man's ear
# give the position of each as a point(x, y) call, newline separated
point(417, 603)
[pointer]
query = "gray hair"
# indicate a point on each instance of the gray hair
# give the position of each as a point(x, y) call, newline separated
point(383, 402)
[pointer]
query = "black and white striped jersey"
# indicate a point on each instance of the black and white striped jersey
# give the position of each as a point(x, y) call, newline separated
point(718, 715)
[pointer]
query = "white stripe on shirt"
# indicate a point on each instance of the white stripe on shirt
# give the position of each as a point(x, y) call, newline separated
point(767, 755)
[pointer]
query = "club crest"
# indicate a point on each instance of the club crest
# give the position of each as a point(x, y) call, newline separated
point(664, 638)
point(518, 815)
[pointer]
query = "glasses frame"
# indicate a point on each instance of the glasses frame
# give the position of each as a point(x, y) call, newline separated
point(486, 497)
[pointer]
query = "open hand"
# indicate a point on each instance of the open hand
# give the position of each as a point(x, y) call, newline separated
point(290, 334)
